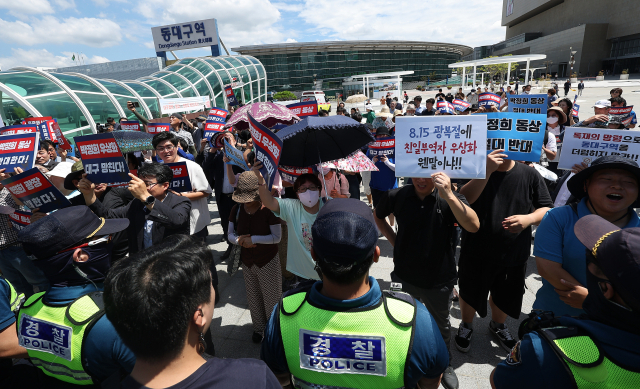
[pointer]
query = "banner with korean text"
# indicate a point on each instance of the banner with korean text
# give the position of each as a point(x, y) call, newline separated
point(217, 115)
point(36, 120)
point(268, 148)
point(534, 104)
point(461, 105)
point(47, 132)
point(383, 146)
point(130, 125)
point(621, 114)
point(211, 129)
point(445, 107)
point(18, 151)
point(305, 108)
point(451, 144)
point(36, 191)
point(181, 181)
point(290, 174)
point(103, 162)
point(231, 97)
point(235, 155)
point(488, 99)
point(519, 135)
point(583, 144)
point(156, 128)
point(20, 219)
point(19, 129)
point(183, 104)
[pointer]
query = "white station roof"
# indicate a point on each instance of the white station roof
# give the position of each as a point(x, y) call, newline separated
point(498, 60)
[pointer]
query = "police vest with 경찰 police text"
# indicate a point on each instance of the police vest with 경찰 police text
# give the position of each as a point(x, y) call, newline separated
point(358, 348)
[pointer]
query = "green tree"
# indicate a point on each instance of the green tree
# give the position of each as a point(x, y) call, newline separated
point(499, 69)
point(284, 95)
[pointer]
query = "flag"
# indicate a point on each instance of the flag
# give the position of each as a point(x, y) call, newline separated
point(73, 58)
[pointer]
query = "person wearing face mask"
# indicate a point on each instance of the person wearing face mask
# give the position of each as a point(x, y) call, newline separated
point(66, 334)
point(299, 214)
point(600, 349)
point(198, 131)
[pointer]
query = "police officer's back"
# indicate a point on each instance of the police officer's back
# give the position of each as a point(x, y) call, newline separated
point(344, 331)
point(601, 350)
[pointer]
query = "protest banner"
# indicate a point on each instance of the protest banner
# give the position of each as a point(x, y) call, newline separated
point(36, 121)
point(19, 129)
point(383, 146)
point(621, 115)
point(488, 99)
point(217, 115)
point(183, 104)
point(305, 108)
point(235, 155)
point(268, 148)
point(63, 143)
point(18, 151)
point(211, 129)
point(36, 191)
point(461, 105)
point(450, 144)
point(46, 131)
point(445, 107)
point(534, 104)
point(181, 181)
point(20, 219)
point(156, 128)
point(231, 97)
point(519, 135)
point(130, 125)
point(102, 159)
point(291, 174)
point(123, 183)
point(583, 144)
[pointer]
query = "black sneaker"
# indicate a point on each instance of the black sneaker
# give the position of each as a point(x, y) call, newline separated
point(501, 332)
point(450, 379)
point(463, 338)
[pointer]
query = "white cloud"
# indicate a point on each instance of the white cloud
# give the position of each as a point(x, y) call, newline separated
point(85, 31)
point(22, 8)
point(149, 45)
point(64, 4)
point(290, 40)
point(290, 7)
point(43, 58)
point(105, 3)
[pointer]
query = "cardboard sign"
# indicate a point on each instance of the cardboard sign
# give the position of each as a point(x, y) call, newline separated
point(36, 121)
point(268, 148)
point(63, 143)
point(130, 125)
point(18, 151)
point(461, 105)
point(534, 104)
point(36, 191)
point(181, 181)
point(20, 219)
point(488, 99)
point(211, 129)
point(102, 159)
point(445, 107)
point(305, 108)
point(383, 146)
point(583, 144)
point(217, 115)
point(450, 144)
point(156, 128)
point(231, 97)
point(291, 174)
point(235, 155)
point(519, 135)
point(19, 129)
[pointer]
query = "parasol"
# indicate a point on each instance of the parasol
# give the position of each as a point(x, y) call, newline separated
point(357, 162)
point(266, 113)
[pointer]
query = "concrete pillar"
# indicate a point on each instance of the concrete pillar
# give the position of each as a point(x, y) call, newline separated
point(526, 76)
point(509, 73)
point(464, 74)
point(475, 68)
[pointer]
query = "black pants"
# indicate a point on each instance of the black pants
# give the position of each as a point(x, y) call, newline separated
point(354, 186)
point(225, 203)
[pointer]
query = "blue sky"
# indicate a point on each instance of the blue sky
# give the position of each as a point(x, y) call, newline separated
point(47, 33)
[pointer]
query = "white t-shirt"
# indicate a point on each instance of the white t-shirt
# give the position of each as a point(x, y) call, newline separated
point(200, 217)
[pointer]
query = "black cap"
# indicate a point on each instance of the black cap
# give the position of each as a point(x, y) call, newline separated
point(64, 228)
point(383, 130)
point(176, 115)
point(344, 232)
point(617, 254)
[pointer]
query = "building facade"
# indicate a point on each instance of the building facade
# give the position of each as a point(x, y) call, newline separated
point(79, 101)
point(309, 65)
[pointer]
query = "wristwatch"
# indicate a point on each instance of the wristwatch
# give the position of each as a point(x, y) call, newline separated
point(150, 200)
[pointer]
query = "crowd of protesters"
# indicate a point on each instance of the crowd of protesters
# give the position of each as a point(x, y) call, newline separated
point(119, 289)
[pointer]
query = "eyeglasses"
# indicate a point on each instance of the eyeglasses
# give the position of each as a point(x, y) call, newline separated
point(166, 148)
point(150, 184)
point(304, 189)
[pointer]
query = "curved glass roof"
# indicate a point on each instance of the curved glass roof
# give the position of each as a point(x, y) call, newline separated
point(78, 102)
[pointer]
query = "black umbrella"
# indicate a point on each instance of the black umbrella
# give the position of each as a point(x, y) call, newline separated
point(317, 139)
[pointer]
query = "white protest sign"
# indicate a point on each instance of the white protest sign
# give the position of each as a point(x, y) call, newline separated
point(583, 144)
point(455, 145)
point(169, 106)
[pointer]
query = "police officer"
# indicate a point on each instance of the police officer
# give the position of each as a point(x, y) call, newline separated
point(64, 330)
point(600, 351)
point(345, 324)
point(10, 302)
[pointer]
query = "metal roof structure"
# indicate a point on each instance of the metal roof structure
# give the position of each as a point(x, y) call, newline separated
point(508, 59)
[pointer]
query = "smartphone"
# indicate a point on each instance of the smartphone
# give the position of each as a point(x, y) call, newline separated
point(135, 104)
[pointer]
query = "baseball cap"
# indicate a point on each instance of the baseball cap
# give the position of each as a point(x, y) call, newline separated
point(201, 117)
point(344, 232)
point(616, 252)
point(602, 104)
point(77, 170)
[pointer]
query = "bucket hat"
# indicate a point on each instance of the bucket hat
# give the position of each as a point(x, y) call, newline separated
point(246, 189)
point(560, 112)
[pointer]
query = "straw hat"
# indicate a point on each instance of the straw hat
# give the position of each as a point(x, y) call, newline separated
point(384, 112)
point(562, 116)
point(247, 188)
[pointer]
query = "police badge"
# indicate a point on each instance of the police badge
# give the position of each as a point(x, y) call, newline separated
point(513, 359)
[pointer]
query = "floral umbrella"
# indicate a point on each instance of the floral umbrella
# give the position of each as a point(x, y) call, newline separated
point(267, 113)
point(357, 162)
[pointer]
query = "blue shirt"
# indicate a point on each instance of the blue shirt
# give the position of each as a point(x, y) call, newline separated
point(384, 179)
point(104, 351)
point(429, 356)
point(556, 241)
point(7, 317)
point(542, 368)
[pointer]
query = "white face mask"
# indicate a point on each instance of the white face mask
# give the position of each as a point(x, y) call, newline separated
point(325, 170)
point(309, 198)
point(552, 120)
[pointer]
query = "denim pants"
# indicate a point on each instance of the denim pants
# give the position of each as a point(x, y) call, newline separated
point(21, 272)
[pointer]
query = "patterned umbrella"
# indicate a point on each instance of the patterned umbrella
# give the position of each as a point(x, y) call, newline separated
point(357, 162)
point(130, 141)
point(267, 113)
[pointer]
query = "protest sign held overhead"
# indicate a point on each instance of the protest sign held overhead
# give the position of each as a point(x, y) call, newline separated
point(445, 107)
point(211, 129)
point(217, 115)
point(291, 174)
point(268, 149)
point(156, 128)
point(535, 104)
point(19, 129)
point(383, 146)
point(18, 151)
point(519, 135)
point(450, 144)
point(583, 144)
point(231, 97)
point(103, 162)
point(63, 143)
point(489, 100)
point(20, 219)
point(47, 132)
point(36, 191)
point(235, 155)
point(305, 108)
point(37, 120)
point(181, 181)
point(130, 125)
point(461, 105)
point(576, 110)
point(621, 115)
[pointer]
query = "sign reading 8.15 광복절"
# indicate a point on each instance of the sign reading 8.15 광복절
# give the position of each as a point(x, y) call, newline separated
point(455, 145)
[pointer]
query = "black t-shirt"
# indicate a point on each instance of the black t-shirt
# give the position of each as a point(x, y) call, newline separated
point(222, 373)
point(423, 254)
point(518, 191)
point(429, 112)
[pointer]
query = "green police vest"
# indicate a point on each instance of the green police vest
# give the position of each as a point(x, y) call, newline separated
point(54, 335)
point(590, 368)
point(15, 299)
point(360, 348)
